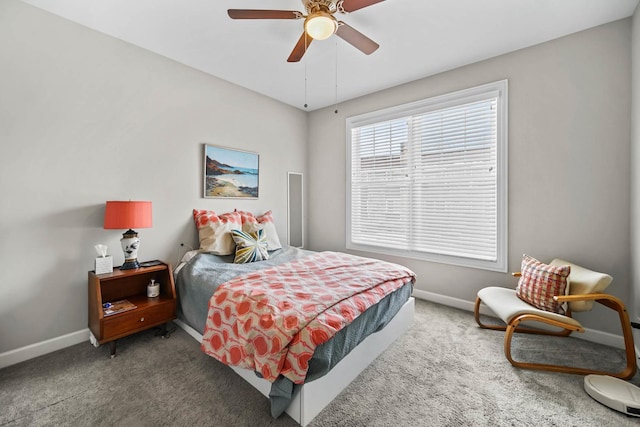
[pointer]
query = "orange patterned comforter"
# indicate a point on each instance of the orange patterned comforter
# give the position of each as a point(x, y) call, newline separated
point(272, 320)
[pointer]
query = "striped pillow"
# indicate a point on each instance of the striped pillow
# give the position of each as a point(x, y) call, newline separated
point(250, 247)
point(540, 282)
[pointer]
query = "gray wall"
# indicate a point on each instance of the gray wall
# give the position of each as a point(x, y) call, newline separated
point(86, 118)
point(569, 168)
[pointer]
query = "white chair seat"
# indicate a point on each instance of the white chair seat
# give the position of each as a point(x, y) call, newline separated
point(506, 305)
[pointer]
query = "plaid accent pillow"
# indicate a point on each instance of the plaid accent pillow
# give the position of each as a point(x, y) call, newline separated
point(540, 282)
point(250, 247)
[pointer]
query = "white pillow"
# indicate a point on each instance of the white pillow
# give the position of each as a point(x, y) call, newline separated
point(266, 221)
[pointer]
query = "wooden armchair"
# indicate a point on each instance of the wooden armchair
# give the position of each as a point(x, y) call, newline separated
point(585, 288)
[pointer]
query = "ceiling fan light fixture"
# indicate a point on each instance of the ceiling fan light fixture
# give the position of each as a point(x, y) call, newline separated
point(320, 25)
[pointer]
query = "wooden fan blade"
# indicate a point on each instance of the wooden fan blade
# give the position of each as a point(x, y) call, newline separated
point(356, 39)
point(263, 14)
point(301, 48)
point(351, 5)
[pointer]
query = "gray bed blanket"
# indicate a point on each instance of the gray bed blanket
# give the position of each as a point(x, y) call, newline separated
point(197, 280)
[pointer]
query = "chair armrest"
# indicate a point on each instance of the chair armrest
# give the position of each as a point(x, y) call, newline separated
point(610, 301)
point(583, 297)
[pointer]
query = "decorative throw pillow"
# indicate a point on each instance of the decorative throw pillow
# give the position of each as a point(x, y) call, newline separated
point(215, 231)
point(540, 282)
point(250, 247)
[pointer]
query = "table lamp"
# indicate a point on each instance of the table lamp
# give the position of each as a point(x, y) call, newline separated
point(128, 215)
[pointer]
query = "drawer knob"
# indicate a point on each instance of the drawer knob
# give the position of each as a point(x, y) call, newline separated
point(142, 319)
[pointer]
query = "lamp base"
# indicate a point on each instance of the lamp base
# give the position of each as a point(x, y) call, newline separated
point(130, 264)
point(130, 244)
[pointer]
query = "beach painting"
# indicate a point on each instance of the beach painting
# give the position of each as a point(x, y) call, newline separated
point(230, 173)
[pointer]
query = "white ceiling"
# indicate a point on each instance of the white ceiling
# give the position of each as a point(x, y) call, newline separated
point(417, 38)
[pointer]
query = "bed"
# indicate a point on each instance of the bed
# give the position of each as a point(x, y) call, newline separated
point(334, 364)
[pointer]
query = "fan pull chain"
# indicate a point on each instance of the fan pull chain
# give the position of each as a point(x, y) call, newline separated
point(305, 84)
point(305, 72)
point(336, 94)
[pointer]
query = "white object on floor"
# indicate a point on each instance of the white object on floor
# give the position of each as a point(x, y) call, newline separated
point(614, 393)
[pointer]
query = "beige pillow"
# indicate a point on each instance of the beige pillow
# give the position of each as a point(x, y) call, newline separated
point(584, 281)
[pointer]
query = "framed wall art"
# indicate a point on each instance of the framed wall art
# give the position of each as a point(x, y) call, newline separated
point(230, 173)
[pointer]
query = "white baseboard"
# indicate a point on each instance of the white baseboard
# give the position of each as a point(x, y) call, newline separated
point(25, 353)
point(448, 301)
point(592, 335)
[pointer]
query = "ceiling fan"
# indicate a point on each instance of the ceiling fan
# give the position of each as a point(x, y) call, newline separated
point(319, 23)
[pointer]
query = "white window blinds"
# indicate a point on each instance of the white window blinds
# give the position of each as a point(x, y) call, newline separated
point(428, 180)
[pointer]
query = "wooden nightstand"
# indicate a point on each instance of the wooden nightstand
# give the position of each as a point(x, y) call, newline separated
point(130, 285)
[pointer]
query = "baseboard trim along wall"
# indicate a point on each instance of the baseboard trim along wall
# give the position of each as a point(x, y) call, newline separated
point(597, 337)
point(39, 349)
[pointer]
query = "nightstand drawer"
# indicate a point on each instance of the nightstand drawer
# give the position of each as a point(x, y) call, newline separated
point(137, 319)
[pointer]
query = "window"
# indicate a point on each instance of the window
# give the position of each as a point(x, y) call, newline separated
point(428, 180)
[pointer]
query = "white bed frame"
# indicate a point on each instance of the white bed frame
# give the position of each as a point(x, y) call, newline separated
point(313, 397)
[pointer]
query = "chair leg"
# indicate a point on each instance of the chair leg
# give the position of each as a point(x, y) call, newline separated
point(629, 348)
point(476, 314)
point(625, 374)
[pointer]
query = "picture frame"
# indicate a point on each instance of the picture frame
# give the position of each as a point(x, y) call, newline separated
point(230, 173)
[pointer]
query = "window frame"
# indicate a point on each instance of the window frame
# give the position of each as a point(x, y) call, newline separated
point(499, 89)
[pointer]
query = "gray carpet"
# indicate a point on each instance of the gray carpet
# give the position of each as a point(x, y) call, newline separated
point(444, 372)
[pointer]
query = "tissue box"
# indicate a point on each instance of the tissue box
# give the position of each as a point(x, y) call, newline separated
point(104, 264)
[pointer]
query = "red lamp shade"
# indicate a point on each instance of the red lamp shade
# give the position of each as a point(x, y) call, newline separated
point(123, 215)
point(128, 215)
